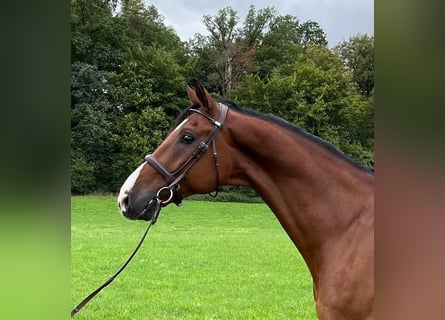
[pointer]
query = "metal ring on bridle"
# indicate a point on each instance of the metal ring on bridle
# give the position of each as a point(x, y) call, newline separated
point(158, 195)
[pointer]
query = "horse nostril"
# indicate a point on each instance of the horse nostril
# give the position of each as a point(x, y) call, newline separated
point(123, 203)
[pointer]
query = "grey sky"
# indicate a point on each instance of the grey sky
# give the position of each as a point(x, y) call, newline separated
point(340, 19)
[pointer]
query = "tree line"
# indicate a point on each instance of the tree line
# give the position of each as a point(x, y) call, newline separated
point(128, 75)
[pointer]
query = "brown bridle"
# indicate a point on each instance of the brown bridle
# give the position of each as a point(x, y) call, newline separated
point(174, 178)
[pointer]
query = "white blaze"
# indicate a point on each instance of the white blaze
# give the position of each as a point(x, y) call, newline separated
point(129, 183)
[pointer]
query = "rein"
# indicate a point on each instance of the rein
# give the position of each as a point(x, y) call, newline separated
point(174, 178)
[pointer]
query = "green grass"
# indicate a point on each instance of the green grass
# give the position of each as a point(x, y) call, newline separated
point(200, 261)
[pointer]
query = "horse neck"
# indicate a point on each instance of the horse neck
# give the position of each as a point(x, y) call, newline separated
point(315, 194)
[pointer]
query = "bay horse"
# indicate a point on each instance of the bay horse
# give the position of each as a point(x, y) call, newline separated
point(323, 199)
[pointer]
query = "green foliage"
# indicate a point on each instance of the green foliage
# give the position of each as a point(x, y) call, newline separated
point(320, 96)
point(127, 83)
point(91, 127)
point(95, 39)
point(88, 84)
point(82, 174)
point(231, 47)
point(358, 55)
point(280, 46)
point(312, 34)
point(91, 130)
point(133, 87)
point(202, 62)
point(255, 23)
point(285, 40)
point(222, 26)
point(138, 135)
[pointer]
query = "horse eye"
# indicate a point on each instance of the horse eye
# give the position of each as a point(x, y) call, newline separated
point(187, 139)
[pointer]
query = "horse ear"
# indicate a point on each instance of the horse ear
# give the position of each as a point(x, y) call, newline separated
point(207, 102)
point(192, 95)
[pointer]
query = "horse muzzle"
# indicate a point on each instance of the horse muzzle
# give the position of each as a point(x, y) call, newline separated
point(138, 209)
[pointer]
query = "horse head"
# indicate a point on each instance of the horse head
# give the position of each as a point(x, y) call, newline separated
point(181, 165)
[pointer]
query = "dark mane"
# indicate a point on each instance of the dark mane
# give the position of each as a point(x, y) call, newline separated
point(285, 124)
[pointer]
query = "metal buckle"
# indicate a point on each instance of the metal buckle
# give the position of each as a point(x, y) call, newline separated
point(158, 195)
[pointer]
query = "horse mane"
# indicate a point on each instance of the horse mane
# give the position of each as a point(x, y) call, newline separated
point(284, 124)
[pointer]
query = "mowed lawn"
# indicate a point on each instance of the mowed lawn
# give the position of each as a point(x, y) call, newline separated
point(203, 260)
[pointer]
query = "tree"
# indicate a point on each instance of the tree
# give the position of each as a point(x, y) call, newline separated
point(312, 34)
point(255, 24)
point(223, 37)
point(280, 46)
point(95, 39)
point(285, 39)
point(235, 46)
point(144, 27)
point(358, 55)
point(202, 62)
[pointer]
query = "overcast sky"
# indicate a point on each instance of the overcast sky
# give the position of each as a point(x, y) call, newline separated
point(340, 19)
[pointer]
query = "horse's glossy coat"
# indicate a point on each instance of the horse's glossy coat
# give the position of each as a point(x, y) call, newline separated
point(323, 200)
